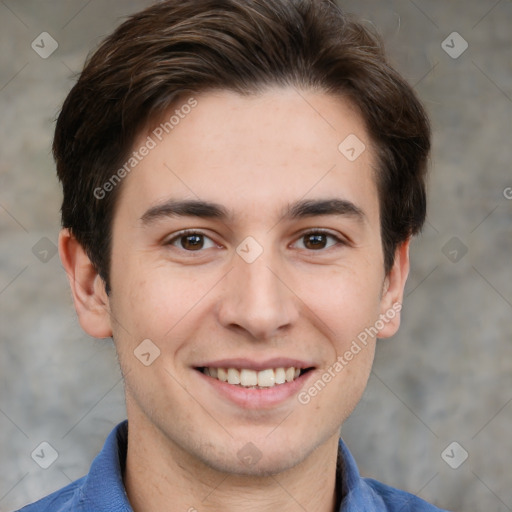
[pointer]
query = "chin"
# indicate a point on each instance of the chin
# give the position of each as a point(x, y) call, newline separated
point(264, 467)
point(254, 458)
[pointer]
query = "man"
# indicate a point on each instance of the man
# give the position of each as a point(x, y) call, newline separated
point(241, 182)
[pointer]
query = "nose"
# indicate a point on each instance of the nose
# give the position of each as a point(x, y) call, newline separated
point(256, 299)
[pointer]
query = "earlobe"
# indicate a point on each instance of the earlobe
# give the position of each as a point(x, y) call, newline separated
point(393, 291)
point(87, 287)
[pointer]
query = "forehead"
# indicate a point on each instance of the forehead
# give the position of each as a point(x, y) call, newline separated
point(254, 152)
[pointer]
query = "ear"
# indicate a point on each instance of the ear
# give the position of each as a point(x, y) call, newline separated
point(88, 288)
point(393, 291)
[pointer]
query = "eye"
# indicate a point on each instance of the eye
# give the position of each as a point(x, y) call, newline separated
point(318, 240)
point(192, 241)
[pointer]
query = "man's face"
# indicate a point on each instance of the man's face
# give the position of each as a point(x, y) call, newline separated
point(269, 285)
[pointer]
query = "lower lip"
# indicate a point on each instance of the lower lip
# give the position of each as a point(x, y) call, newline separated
point(251, 398)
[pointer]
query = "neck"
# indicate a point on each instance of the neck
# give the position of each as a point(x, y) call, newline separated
point(159, 477)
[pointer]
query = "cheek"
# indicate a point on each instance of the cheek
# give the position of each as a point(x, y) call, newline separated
point(346, 299)
point(153, 301)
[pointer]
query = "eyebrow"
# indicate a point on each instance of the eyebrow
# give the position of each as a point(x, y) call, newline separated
point(209, 210)
point(185, 208)
point(318, 207)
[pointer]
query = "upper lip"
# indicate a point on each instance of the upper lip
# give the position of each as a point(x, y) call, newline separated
point(250, 364)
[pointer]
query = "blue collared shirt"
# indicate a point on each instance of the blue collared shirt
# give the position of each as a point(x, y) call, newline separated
point(102, 490)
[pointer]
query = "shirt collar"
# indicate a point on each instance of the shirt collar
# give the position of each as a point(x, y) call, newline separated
point(354, 494)
point(104, 486)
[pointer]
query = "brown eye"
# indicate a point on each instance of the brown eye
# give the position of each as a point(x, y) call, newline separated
point(318, 240)
point(315, 241)
point(191, 241)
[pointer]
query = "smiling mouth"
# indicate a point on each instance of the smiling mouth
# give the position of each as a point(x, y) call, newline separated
point(252, 379)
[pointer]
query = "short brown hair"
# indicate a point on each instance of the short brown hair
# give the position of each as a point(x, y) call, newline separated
point(181, 47)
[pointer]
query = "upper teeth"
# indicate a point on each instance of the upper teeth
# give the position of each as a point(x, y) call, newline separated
point(251, 378)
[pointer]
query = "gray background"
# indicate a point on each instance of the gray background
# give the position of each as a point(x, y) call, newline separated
point(447, 375)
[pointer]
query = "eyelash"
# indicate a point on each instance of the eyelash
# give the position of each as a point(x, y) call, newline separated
point(338, 241)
